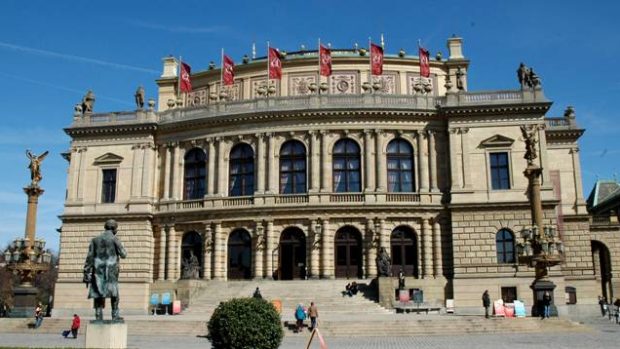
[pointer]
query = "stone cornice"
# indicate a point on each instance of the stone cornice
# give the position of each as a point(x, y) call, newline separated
point(111, 129)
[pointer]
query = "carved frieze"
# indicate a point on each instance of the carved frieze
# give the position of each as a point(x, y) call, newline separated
point(260, 88)
point(197, 98)
point(299, 85)
point(344, 83)
point(233, 92)
point(417, 85)
point(387, 82)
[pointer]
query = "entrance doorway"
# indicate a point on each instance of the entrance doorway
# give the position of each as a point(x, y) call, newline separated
point(348, 247)
point(191, 256)
point(292, 263)
point(602, 268)
point(404, 250)
point(239, 255)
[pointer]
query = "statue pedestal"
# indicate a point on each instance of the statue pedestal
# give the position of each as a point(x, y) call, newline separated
point(539, 287)
point(106, 334)
point(24, 300)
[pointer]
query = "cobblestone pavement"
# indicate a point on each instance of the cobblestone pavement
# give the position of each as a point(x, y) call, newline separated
point(600, 338)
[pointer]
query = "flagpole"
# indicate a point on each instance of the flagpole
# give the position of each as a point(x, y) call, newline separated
point(222, 70)
point(319, 55)
point(180, 69)
point(267, 82)
point(370, 62)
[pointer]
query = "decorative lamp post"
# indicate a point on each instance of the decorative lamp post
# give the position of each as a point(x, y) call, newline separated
point(27, 256)
point(541, 246)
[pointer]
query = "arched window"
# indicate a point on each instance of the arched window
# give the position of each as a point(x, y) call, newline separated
point(400, 166)
point(505, 246)
point(195, 174)
point(346, 170)
point(403, 244)
point(292, 168)
point(241, 174)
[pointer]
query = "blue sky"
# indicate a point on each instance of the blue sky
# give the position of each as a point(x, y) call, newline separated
point(51, 52)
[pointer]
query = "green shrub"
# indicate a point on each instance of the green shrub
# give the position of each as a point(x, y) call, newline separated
point(244, 323)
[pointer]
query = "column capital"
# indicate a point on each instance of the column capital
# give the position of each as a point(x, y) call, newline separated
point(379, 132)
point(367, 132)
point(259, 136)
point(574, 150)
point(463, 130)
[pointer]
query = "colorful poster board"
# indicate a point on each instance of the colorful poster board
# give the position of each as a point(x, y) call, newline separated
point(519, 309)
point(498, 307)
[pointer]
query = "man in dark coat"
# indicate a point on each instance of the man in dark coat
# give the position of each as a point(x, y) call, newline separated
point(486, 303)
point(101, 269)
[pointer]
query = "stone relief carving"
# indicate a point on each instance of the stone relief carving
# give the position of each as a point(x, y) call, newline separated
point(387, 83)
point(299, 85)
point(233, 91)
point(259, 87)
point(419, 85)
point(343, 83)
point(197, 97)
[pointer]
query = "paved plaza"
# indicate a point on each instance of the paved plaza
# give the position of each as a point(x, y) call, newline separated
point(603, 335)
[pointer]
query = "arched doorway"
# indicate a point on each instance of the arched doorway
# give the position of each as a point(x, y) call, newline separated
point(191, 256)
point(239, 255)
point(404, 251)
point(602, 268)
point(292, 263)
point(348, 247)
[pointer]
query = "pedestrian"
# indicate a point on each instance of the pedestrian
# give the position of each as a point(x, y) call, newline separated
point(602, 303)
point(546, 302)
point(300, 316)
point(75, 326)
point(38, 315)
point(313, 312)
point(257, 293)
point(486, 303)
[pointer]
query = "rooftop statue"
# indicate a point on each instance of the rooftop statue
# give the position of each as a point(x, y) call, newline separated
point(527, 77)
point(101, 270)
point(88, 102)
point(35, 167)
point(139, 96)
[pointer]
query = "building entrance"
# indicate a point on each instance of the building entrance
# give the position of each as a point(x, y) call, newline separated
point(348, 247)
point(239, 255)
point(292, 263)
point(404, 252)
point(602, 268)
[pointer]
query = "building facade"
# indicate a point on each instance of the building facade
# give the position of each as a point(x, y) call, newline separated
point(310, 176)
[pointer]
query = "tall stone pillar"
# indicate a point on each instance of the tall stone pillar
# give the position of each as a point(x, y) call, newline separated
point(315, 228)
point(176, 173)
point(326, 162)
point(427, 249)
point(433, 159)
point(437, 254)
point(380, 160)
point(218, 252)
point(272, 165)
point(384, 239)
point(423, 160)
point(73, 174)
point(222, 182)
point(258, 250)
point(260, 164)
point(327, 268)
point(315, 160)
point(371, 250)
point(465, 150)
point(211, 157)
point(161, 274)
point(455, 174)
point(172, 254)
point(207, 259)
point(579, 203)
point(167, 170)
point(81, 177)
point(369, 161)
point(270, 245)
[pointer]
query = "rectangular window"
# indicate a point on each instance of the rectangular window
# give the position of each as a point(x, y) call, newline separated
point(108, 189)
point(500, 172)
point(509, 294)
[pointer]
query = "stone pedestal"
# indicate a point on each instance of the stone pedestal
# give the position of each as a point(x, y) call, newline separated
point(540, 287)
point(24, 300)
point(106, 334)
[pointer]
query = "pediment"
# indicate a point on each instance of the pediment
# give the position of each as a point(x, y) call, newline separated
point(497, 141)
point(108, 158)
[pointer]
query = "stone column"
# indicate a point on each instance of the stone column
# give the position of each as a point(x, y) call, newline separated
point(384, 239)
point(369, 160)
point(82, 174)
point(465, 150)
point(260, 164)
point(272, 165)
point(270, 245)
point(73, 174)
point(437, 254)
point(542, 155)
point(218, 252)
point(315, 160)
point(577, 178)
point(258, 250)
point(167, 168)
point(172, 254)
point(427, 249)
point(380, 160)
point(371, 251)
point(314, 249)
point(136, 170)
point(207, 262)
point(147, 167)
point(433, 159)
point(211, 167)
point(327, 270)
point(161, 275)
point(423, 160)
point(222, 182)
point(455, 176)
point(326, 162)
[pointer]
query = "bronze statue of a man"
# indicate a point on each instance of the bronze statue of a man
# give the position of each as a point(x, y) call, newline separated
point(101, 269)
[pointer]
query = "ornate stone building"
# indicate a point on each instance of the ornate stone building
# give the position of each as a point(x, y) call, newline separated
point(309, 176)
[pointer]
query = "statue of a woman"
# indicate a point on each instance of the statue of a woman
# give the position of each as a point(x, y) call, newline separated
point(35, 166)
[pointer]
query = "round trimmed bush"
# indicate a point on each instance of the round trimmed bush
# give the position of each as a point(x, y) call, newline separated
point(245, 323)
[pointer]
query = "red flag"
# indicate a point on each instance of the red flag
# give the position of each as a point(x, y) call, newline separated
point(376, 59)
point(228, 71)
point(326, 60)
point(425, 69)
point(186, 79)
point(275, 65)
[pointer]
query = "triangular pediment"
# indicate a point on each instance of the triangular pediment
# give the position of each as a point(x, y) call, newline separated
point(497, 141)
point(108, 158)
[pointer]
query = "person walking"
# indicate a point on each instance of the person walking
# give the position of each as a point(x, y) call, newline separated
point(38, 315)
point(300, 316)
point(601, 303)
point(313, 313)
point(486, 303)
point(75, 325)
